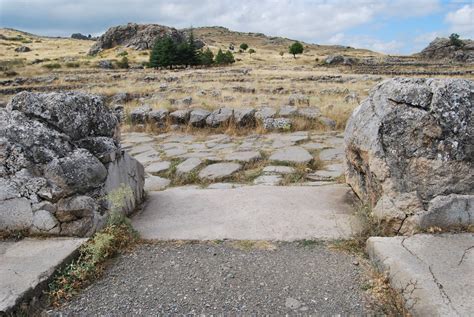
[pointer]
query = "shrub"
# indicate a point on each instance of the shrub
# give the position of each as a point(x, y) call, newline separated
point(52, 66)
point(123, 63)
point(73, 64)
point(455, 40)
point(251, 51)
point(224, 58)
point(296, 48)
point(244, 46)
point(123, 53)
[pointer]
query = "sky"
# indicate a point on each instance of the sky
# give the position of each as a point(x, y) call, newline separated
point(388, 26)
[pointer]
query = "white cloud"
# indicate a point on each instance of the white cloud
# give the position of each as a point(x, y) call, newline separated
point(317, 21)
point(462, 21)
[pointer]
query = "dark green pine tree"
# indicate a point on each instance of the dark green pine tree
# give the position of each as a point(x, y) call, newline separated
point(206, 57)
point(163, 53)
point(220, 58)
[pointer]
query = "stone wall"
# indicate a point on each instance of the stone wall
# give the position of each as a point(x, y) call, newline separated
point(410, 152)
point(60, 157)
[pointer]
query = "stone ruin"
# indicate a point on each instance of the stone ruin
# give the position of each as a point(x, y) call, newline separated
point(410, 153)
point(60, 157)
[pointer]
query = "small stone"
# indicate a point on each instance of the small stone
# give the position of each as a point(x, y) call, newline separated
point(44, 221)
point(198, 117)
point(292, 303)
point(287, 110)
point(309, 112)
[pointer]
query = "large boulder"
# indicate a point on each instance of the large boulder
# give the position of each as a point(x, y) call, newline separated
point(410, 152)
point(443, 49)
point(137, 36)
point(60, 162)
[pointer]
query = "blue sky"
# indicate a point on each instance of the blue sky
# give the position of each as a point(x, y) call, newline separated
point(389, 26)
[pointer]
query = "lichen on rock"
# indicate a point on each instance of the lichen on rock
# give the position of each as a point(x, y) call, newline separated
point(60, 157)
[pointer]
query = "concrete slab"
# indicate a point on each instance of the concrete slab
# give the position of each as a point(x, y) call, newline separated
point(248, 213)
point(26, 267)
point(441, 266)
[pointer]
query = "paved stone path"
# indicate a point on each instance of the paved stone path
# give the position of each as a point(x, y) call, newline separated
point(248, 213)
point(207, 159)
point(437, 270)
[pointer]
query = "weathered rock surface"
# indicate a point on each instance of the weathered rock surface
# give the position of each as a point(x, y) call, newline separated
point(59, 159)
point(410, 152)
point(220, 117)
point(137, 36)
point(443, 48)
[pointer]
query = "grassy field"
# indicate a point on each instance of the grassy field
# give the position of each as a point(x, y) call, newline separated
point(264, 78)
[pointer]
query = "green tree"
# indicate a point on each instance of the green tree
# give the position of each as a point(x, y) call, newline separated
point(296, 48)
point(229, 58)
point(244, 46)
point(455, 40)
point(164, 53)
point(224, 58)
point(251, 51)
point(220, 57)
point(206, 57)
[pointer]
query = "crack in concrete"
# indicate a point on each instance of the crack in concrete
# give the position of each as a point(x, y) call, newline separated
point(464, 254)
point(411, 252)
point(443, 294)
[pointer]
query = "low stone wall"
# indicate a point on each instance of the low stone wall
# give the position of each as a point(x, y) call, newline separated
point(268, 117)
point(410, 152)
point(60, 160)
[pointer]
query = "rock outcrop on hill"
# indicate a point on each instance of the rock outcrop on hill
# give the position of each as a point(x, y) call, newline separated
point(60, 162)
point(443, 48)
point(410, 152)
point(137, 36)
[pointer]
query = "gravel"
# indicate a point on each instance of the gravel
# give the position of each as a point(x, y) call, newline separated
point(220, 278)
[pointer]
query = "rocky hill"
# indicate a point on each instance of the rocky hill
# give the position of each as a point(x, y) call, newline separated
point(137, 36)
point(443, 48)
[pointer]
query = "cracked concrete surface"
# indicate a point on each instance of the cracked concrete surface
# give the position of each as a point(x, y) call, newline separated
point(441, 266)
point(284, 213)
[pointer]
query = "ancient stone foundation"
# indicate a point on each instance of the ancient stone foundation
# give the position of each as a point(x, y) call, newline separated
point(410, 152)
point(60, 159)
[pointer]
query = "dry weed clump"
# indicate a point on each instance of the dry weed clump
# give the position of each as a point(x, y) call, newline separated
point(117, 235)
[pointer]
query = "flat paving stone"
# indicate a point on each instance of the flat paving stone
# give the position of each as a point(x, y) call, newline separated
point(157, 167)
point(27, 265)
point(314, 145)
point(292, 154)
point(332, 154)
point(147, 157)
point(188, 165)
point(156, 183)
point(441, 266)
point(244, 156)
point(138, 149)
point(248, 213)
point(268, 180)
point(275, 169)
point(219, 170)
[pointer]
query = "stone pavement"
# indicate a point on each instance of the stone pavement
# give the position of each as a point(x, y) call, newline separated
point(436, 270)
point(26, 267)
point(248, 213)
